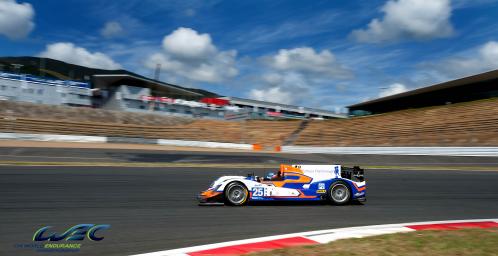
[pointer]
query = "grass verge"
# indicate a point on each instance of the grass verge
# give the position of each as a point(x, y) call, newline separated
point(463, 242)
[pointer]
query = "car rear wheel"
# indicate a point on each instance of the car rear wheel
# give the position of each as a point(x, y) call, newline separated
point(236, 194)
point(339, 193)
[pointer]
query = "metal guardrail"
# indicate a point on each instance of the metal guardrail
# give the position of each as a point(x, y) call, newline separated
point(51, 137)
point(436, 151)
point(113, 139)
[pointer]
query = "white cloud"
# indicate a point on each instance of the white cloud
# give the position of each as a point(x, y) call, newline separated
point(191, 55)
point(393, 89)
point(296, 76)
point(112, 29)
point(283, 87)
point(16, 20)
point(307, 60)
point(274, 94)
point(489, 54)
point(273, 78)
point(485, 58)
point(70, 53)
point(187, 43)
point(409, 19)
point(481, 59)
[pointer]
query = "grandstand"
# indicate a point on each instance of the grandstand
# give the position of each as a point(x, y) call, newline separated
point(19, 110)
point(33, 118)
point(476, 87)
point(122, 90)
point(462, 112)
point(463, 124)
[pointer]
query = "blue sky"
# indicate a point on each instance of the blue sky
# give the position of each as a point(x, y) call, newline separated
point(326, 54)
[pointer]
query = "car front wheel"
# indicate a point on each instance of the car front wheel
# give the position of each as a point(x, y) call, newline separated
point(236, 194)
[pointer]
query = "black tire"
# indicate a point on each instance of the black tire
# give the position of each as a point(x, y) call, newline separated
point(339, 193)
point(236, 194)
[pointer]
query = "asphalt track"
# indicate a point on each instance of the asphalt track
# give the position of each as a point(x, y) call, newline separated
point(158, 156)
point(151, 209)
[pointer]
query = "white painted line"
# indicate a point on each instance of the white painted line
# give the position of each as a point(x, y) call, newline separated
point(326, 238)
point(185, 251)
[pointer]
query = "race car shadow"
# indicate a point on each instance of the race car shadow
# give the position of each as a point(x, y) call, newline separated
point(299, 203)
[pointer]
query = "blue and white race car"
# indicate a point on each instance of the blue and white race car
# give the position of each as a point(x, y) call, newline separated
point(340, 185)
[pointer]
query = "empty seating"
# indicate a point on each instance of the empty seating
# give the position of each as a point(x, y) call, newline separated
point(464, 124)
point(73, 114)
point(32, 118)
point(269, 133)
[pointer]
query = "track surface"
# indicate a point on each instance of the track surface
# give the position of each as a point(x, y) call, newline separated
point(155, 156)
point(152, 209)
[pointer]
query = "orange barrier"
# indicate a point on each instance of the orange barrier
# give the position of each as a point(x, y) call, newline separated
point(257, 147)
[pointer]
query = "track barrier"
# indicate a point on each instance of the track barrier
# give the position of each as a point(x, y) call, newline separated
point(435, 151)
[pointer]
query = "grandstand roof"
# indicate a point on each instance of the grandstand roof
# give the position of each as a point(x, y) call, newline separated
point(463, 89)
point(104, 80)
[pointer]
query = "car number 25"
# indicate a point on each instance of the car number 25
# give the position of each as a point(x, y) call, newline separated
point(258, 191)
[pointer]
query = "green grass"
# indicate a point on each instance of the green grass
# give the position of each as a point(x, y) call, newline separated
point(464, 242)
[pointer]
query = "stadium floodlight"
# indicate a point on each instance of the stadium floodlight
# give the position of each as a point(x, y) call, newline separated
point(157, 72)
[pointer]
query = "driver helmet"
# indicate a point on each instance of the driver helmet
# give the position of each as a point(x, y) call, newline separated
point(270, 175)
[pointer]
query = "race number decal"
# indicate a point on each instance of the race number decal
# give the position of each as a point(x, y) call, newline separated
point(259, 191)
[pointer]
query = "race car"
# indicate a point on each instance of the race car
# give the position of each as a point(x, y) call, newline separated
point(335, 183)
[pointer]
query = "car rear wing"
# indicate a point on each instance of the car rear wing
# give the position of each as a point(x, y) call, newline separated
point(353, 173)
